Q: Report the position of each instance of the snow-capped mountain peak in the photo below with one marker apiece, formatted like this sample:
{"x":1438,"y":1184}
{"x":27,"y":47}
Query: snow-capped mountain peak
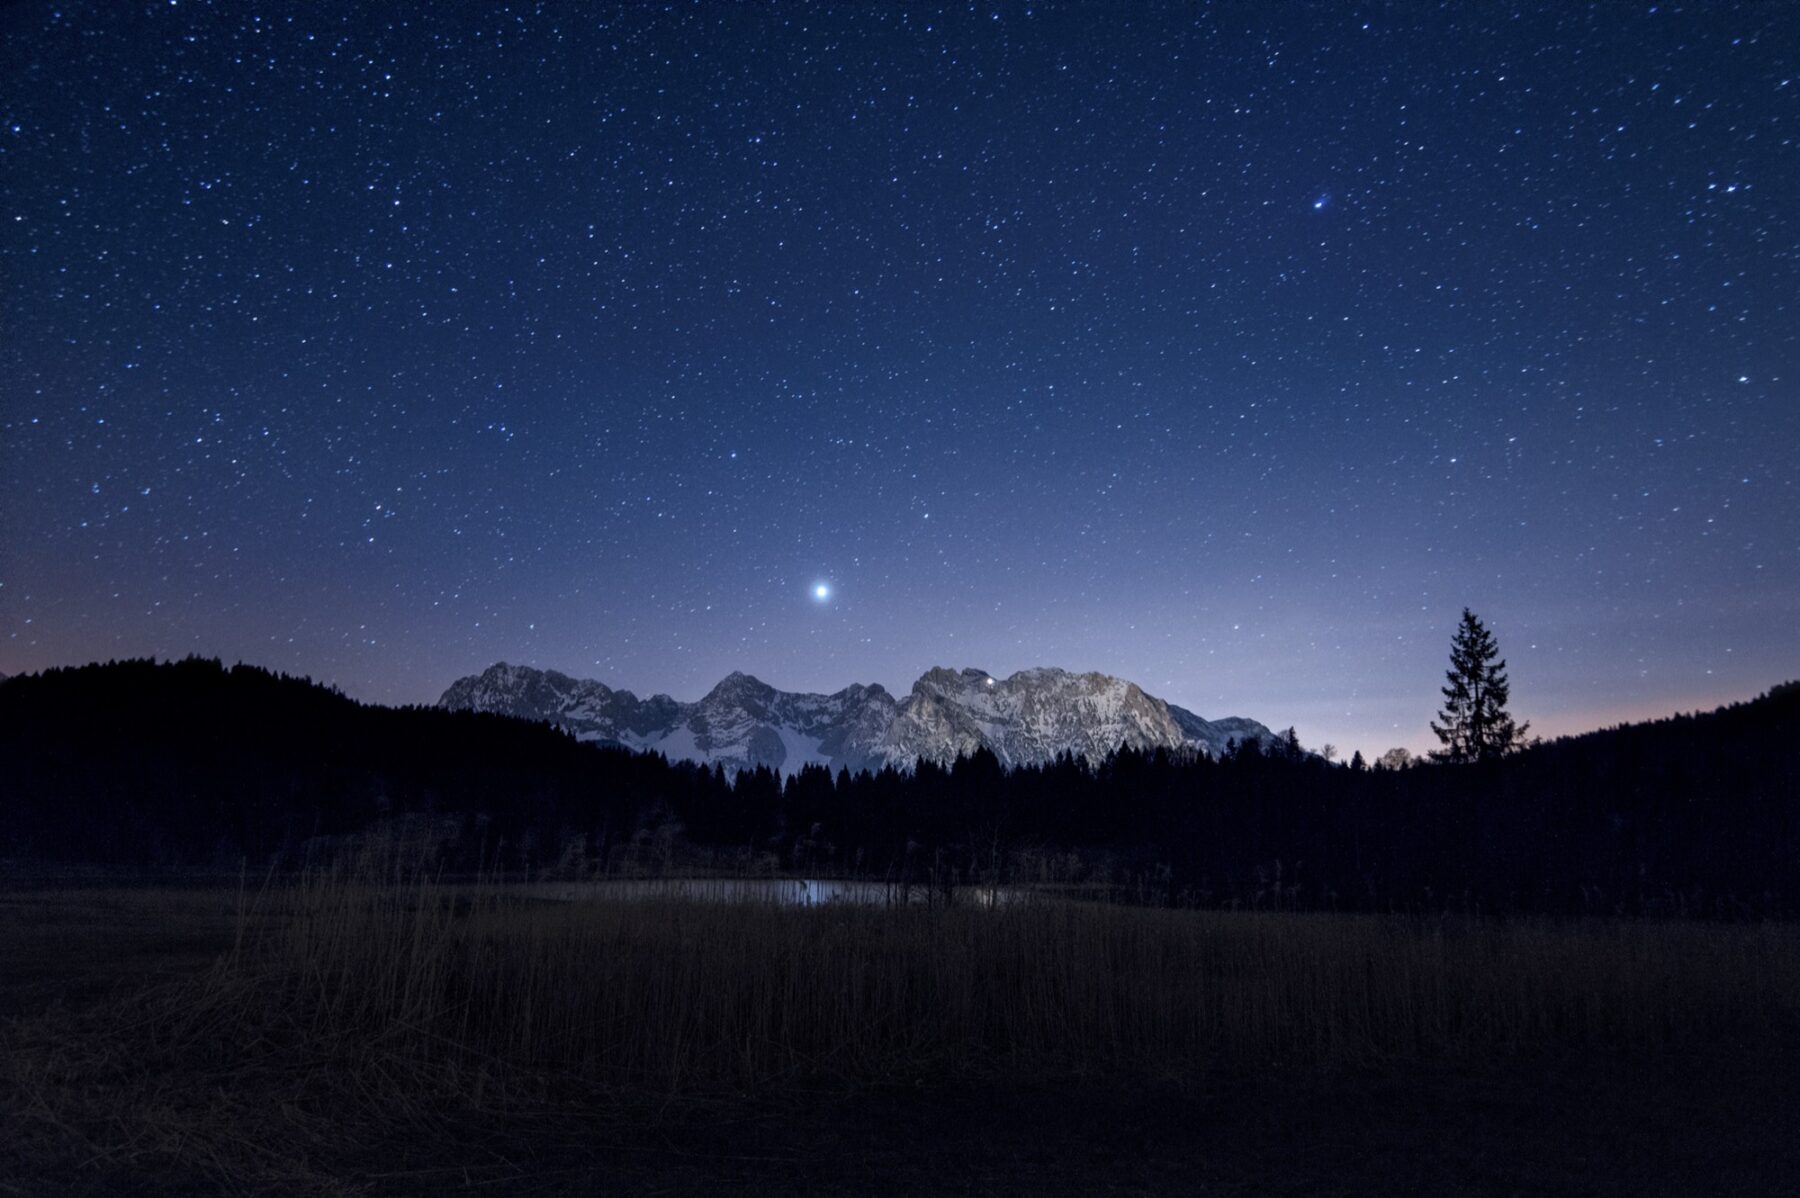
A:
{"x":1027,"y":718}
{"x":1031,"y":716}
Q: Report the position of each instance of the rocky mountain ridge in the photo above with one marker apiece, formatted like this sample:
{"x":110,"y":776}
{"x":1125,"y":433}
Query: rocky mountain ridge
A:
{"x":1028,"y":718}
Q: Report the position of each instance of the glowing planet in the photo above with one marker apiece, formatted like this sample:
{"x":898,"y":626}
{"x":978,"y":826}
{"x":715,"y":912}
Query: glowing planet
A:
{"x":821,"y":591}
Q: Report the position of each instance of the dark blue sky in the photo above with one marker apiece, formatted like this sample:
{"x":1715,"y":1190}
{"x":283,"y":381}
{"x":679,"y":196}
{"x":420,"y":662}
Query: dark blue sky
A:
{"x":1229,"y":348}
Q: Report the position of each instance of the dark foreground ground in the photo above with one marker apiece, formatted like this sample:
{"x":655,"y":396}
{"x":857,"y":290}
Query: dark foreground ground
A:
{"x":1724,"y":1122}
{"x":1685,"y":1129}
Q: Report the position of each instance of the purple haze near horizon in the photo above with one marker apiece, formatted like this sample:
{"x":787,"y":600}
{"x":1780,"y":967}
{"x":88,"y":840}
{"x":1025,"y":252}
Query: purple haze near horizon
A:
{"x":1230,"y":348}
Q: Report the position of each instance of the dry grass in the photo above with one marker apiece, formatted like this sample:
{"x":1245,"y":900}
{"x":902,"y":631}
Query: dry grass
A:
{"x":348,"y":1018}
{"x":678,"y":996}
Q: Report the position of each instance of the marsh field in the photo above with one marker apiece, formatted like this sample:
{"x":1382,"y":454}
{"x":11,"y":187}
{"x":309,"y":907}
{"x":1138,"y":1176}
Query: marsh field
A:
{"x":355,"y":1033}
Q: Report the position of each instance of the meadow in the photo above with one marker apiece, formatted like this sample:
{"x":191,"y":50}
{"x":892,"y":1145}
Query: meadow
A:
{"x":342,"y":1032}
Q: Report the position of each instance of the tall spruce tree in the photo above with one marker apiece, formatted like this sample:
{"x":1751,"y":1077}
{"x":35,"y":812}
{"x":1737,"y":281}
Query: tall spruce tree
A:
{"x":1474,"y":724}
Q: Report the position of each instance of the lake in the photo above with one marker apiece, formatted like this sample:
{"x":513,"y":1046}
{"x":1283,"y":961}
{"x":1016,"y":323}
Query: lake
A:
{"x":784,"y":892}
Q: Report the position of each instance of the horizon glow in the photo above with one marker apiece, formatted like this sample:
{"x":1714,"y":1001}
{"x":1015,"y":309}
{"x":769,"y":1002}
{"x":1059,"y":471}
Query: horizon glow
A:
{"x":1231,"y":357}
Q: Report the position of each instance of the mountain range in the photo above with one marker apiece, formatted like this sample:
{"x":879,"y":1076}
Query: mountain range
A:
{"x":1028,"y":718}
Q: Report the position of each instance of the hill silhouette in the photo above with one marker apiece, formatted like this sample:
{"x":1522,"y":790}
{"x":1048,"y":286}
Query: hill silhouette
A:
{"x":191,"y":764}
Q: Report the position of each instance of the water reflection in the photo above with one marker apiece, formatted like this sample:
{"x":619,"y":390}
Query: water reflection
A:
{"x":781,"y":892}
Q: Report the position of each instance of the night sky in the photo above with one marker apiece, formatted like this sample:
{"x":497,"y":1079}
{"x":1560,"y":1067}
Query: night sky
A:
{"x":1232,"y":349}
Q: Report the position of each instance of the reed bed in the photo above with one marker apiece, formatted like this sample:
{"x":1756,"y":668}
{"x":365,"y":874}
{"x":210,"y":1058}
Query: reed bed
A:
{"x":679,"y":995}
{"x":347,"y":1016}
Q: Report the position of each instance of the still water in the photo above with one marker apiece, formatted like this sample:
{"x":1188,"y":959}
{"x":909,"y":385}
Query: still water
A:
{"x":782,"y":892}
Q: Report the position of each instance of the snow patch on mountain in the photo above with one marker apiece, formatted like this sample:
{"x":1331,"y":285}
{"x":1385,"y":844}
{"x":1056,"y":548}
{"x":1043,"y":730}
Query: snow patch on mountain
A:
{"x":1029,"y":718}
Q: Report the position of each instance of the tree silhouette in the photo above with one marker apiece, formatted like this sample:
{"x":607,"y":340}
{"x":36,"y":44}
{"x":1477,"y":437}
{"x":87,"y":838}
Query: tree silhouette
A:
{"x":1396,"y":758}
{"x":1475,"y":723}
{"x":192,"y":765}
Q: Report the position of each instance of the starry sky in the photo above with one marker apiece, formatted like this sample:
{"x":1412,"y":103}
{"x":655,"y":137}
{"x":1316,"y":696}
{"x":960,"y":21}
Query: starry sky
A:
{"x":1231,"y":348}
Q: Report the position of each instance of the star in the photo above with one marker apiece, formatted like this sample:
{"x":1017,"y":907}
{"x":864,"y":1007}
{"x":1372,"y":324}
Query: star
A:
{"x":715,"y":373}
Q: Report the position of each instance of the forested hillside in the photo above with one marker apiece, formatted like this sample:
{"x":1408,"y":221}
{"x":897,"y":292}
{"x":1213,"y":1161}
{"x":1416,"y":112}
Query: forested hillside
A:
{"x":191,"y":764}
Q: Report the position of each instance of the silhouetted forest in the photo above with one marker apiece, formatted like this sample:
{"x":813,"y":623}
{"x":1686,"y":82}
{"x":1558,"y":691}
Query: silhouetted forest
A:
{"x":193,"y":765}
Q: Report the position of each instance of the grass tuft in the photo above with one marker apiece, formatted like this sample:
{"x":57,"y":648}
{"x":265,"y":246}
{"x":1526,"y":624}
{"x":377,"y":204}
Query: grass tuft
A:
{"x":344,"y":1017}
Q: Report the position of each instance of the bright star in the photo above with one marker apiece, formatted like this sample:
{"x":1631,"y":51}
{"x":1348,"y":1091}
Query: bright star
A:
{"x":1321,"y":201}
{"x":821,"y":591}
